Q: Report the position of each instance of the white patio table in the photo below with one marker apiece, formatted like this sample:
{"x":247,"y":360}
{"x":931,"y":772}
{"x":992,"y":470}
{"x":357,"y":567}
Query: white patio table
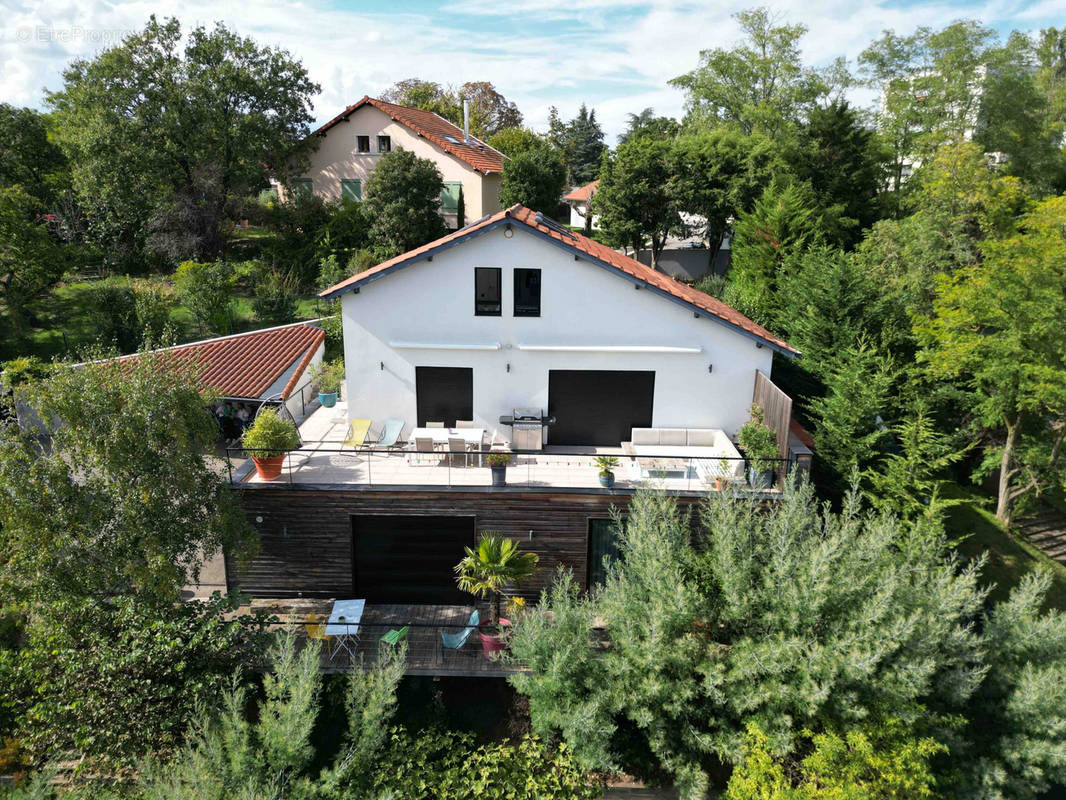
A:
{"x":343,"y":626}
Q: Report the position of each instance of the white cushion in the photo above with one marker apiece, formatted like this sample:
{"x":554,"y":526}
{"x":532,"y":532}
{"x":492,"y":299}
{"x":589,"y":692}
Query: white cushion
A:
{"x":701,"y":437}
{"x":645,"y":435}
{"x":673,"y":436}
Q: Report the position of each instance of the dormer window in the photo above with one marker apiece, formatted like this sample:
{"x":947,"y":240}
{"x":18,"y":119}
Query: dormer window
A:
{"x":384,"y":144}
{"x":362,"y":144}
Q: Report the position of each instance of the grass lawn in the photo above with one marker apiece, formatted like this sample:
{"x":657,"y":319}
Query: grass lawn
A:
{"x":1009,"y":556}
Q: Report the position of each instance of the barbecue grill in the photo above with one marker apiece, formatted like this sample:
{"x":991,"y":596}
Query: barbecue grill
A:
{"x":527,"y":428}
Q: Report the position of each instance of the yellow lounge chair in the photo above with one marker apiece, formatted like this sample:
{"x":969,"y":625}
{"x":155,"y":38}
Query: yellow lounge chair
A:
{"x":357,"y":432}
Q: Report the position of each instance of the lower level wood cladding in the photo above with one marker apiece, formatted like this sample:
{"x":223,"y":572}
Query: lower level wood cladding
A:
{"x":305,"y":534}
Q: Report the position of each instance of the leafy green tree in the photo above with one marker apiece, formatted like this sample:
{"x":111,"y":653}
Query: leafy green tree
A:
{"x":999,"y":326}
{"x":403,"y":203}
{"x":111,"y":680}
{"x":790,"y":617}
{"x":839,"y":158}
{"x":427,"y":95}
{"x":760,"y":85}
{"x":28,"y":158}
{"x":273,"y":756}
{"x":580,"y":141}
{"x":31,"y":262}
{"x":881,"y":761}
{"x":490,"y":112}
{"x":124,"y":501}
{"x":207,"y":291}
{"x":275,"y":296}
{"x":534,"y":178}
{"x":513,"y":142}
{"x":306,"y":233}
{"x":633,"y":202}
{"x":847,"y":427}
{"x":646,"y":124}
{"x":718,"y":174}
{"x":163,"y":137}
{"x":782,"y":222}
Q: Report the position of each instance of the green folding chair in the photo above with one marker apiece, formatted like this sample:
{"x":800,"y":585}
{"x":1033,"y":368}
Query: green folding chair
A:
{"x":394,"y":637}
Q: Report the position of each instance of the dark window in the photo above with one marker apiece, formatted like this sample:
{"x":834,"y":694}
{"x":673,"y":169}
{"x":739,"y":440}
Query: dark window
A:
{"x":444,"y":394}
{"x":527,"y":292}
{"x":362,"y":144}
{"x":603,"y":541}
{"x":487,"y":298}
{"x":351,"y":189}
{"x":384,"y":144}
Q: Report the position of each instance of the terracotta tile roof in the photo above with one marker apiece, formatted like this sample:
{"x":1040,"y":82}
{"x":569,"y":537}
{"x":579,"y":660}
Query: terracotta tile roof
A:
{"x":601,"y":252}
{"x":476,"y":154}
{"x":247,"y":364}
{"x":582,"y":193}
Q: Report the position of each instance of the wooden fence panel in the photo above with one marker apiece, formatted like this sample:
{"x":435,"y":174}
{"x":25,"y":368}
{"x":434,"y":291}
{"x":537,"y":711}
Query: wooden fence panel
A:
{"x":777,"y":409}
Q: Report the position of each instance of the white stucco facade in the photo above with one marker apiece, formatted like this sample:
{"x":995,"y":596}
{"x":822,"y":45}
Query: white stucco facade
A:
{"x":592,"y":318}
{"x":337,"y":158}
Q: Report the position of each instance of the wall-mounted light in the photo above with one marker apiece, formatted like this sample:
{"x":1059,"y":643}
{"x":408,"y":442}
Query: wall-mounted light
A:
{"x":508,"y":366}
{"x":382,"y":366}
{"x":508,"y":231}
{"x":710,"y":367}
{"x":531,"y":536}
{"x":759,"y":345}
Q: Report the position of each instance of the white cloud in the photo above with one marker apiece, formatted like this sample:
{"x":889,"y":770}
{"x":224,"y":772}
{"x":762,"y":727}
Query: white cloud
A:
{"x":616,"y":55}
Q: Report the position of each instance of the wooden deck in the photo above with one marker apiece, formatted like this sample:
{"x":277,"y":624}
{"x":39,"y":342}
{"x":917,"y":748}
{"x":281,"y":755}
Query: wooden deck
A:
{"x":426,"y":654}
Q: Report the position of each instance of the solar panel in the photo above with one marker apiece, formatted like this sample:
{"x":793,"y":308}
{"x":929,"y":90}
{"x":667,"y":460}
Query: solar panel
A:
{"x":555,"y":226}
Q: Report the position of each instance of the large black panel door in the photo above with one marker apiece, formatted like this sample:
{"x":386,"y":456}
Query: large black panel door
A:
{"x":444,"y":394}
{"x":409,"y":559}
{"x":598,"y":407}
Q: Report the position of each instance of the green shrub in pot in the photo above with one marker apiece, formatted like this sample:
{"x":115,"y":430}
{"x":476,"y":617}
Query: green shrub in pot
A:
{"x":270,"y":435}
{"x":759,"y":443}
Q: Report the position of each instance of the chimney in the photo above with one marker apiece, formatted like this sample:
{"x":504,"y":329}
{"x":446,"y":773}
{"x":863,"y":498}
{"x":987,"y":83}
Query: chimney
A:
{"x":466,"y":121}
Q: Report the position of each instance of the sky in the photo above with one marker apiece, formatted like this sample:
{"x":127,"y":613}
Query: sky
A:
{"x":615,"y":55}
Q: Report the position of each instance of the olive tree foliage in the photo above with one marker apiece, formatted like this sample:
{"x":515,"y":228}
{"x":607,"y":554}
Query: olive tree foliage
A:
{"x":119,"y":497}
{"x":403,"y":203}
{"x":761,"y":84}
{"x":273,"y":756}
{"x":792,"y":618}
{"x":164,"y":134}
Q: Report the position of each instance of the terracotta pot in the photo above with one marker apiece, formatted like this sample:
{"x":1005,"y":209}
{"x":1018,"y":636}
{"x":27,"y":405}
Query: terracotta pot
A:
{"x":268,"y":468}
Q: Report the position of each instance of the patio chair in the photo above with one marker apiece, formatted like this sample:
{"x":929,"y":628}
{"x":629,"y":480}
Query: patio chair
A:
{"x":391,"y":433}
{"x":464,"y":423}
{"x":434,"y":424}
{"x":455,"y":641}
{"x":456,"y":451}
{"x":424,"y":444}
{"x":358,"y":429}
{"x":394,"y":637}
{"x":316,"y":630}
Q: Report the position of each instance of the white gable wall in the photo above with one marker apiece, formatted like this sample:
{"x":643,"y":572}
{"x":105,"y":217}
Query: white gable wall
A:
{"x":582,"y":304}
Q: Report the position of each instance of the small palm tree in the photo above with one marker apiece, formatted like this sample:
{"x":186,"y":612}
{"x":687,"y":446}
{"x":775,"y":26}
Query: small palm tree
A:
{"x":496,"y":562}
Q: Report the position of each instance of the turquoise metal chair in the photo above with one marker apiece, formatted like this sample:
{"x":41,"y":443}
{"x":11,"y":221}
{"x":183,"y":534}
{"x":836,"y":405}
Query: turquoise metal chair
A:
{"x":455,"y":641}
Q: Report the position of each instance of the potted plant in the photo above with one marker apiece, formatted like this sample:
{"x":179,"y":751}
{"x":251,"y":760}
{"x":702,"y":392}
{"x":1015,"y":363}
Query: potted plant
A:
{"x":760,"y":449}
{"x":721,"y":477}
{"x":607,"y":464}
{"x":328,"y":376}
{"x":498,"y":464}
{"x":485,"y":572}
{"x":267,"y":440}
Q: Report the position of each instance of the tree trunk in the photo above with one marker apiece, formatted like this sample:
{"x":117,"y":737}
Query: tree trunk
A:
{"x":1003,"y":502}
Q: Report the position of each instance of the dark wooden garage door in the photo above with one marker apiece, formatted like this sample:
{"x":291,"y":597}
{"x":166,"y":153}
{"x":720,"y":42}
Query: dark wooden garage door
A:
{"x":598,"y":407}
{"x":444,"y":394}
{"x":401,"y":559}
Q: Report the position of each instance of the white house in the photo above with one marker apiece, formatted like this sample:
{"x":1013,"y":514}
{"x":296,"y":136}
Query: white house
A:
{"x":579,"y":200}
{"x":518,"y":312}
{"x":350,"y":145}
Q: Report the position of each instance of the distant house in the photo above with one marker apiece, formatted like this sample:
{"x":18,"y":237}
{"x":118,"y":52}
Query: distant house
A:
{"x":352,"y":142}
{"x":579,"y":200}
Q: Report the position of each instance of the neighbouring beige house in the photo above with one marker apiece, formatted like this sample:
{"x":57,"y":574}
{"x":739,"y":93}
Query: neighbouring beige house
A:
{"x":353,"y":141}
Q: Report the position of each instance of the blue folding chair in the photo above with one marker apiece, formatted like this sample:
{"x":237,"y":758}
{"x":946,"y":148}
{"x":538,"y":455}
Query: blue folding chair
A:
{"x":390,"y":434}
{"x":455,"y":641}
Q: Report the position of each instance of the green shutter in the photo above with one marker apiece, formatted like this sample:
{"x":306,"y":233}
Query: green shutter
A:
{"x":351,"y":189}
{"x":303,"y":186}
{"x":450,"y":197}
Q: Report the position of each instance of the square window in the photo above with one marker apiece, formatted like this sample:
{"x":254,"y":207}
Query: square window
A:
{"x":384,"y":144}
{"x":527,"y":292}
{"x":362,"y":144}
{"x":351,"y":189}
{"x":487,"y":298}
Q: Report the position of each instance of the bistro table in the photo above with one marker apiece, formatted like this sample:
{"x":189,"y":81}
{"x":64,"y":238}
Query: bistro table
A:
{"x":474,"y":437}
{"x":343,"y":626}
